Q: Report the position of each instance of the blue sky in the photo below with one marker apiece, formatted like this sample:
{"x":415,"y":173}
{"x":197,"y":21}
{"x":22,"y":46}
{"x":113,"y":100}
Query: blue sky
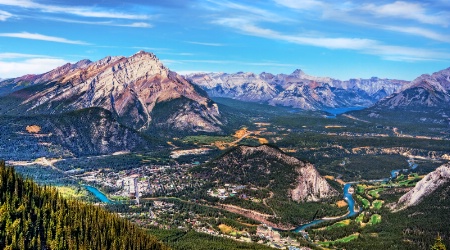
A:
{"x":340,"y":39}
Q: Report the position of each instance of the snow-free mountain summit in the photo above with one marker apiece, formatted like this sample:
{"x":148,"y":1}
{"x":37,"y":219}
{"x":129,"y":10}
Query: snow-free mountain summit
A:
{"x":138,"y":90}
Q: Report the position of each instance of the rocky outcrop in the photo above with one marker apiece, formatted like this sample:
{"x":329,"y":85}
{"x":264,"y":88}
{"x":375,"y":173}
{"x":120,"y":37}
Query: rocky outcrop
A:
{"x":297,"y":90}
{"x":425,"y":187}
{"x":130,"y":88}
{"x":311,"y":186}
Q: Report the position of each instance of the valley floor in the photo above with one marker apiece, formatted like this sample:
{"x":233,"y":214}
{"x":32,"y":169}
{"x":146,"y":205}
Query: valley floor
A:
{"x":156,"y":189}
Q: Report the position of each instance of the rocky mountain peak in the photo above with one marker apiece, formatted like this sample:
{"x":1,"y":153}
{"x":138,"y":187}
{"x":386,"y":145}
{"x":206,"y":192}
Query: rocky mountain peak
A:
{"x":129,"y":87}
{"x":298,"y":73}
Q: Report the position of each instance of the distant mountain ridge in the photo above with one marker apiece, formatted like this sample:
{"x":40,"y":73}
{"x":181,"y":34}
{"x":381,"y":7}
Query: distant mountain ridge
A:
{"x":425,"y":91}
{"x":130,"y":88}
{"x":297,"y":90}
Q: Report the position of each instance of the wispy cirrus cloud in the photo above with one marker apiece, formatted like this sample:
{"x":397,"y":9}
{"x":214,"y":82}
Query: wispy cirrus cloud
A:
{"x":354,"y":19}
{"x":417,"y":31}
{"x":251,"y":12}
{"x":350,"y":13}
{"x":105,"y":23}
{"x":271,"y":64}
{"x":83,"y":11}
{"x":248,"y":28}
{"x":35,"y":36}
{"x":5,"y":15}
{"x":362,"y":45}
{"x":408,"y":10}
{"x":12,"y":55}
{"x":300,"y":5}
{"x":135,"y":25}
{"x":375,"y":16}
{"x":207,"y":44}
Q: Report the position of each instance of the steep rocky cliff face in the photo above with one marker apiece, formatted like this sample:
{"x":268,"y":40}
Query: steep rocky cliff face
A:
{"x":268,"y":167}
{"x":297,"y":90}
{"x":129,"y":88}
{"x":310,"y":185}
{"x":425,"y":187}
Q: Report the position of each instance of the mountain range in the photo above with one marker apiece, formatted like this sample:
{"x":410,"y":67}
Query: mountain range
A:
{"x":120,"y":103}
{"x":134,"y":88}
{"x":297,"y":90}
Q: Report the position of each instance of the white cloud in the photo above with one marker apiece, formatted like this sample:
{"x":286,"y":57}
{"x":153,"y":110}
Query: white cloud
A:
{"x":28,"y":66}
{"x":272,"y":64}
{"x":251,"y":12}
{"x":401,"y":53}
{"x":135,"y":25}
{"x":106,"y":23}
{"x":300,"y":5}
{"x":380,"y":15}
{"x":35,"y":36}
{"x":79,"y":11}
{"x":5,"y":15}
{"x":420,"y":32}
{"x":365,"y":46}
{"x":406,"y":10}
{"x":207,"y":44}
{"x":331,"y":43}
{"x":9,"y":55}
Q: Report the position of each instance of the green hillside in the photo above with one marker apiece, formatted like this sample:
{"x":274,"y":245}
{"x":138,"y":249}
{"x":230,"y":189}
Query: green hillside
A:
{"x":33,"y":217}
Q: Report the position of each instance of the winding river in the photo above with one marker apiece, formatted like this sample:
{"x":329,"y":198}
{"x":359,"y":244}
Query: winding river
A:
{"x":351,"y":202}
{"x":351,"y":210}
{"x":99,"y":195}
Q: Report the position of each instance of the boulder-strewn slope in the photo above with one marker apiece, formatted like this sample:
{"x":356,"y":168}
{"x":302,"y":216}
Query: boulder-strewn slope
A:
{"x":129,"y":88}
{"x":297,"y":90}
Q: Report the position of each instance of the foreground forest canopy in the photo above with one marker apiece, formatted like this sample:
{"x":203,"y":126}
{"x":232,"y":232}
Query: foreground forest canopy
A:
{"x":33,"y":217}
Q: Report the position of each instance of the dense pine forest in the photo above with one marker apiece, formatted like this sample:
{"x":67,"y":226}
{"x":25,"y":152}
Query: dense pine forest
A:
{"x":34,"y":217}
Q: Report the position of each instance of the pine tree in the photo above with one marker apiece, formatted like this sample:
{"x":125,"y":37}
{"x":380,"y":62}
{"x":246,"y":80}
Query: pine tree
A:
{"x":33,"y":217}
{"x":438,"y":244}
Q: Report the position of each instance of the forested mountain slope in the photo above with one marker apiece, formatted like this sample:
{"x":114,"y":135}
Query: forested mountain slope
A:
{"x":33,"y":217}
